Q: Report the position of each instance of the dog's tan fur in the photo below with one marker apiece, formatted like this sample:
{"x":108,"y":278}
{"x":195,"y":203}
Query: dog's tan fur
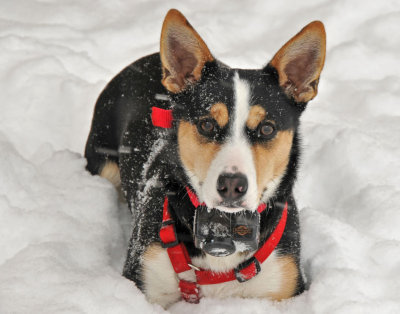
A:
{"x":196,"y":153}
{"x":272,"y":158}
{"x":219,"y":112}
{"x":110,"y":171}
{"x":256,"y":115}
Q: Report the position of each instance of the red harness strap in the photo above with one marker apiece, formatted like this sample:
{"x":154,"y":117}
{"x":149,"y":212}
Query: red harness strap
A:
{"x":178,"y":255}
{"x":181,"y":261}
{"x":161,"y":117}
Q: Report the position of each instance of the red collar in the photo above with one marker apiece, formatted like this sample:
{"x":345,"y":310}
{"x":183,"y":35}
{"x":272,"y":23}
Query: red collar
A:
{"x":181,"y":261}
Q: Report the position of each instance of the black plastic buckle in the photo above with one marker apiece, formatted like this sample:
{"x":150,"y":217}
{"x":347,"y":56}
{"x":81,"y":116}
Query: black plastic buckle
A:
{"x":239,"y":276}
{"x":170,"y":244}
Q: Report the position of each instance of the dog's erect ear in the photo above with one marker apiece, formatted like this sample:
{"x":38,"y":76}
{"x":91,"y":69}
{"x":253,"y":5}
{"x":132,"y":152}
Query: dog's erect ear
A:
{"x":300,"y":61}
{"x":183,"y":53}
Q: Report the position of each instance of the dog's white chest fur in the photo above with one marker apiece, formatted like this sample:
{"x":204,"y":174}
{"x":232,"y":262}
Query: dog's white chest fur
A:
{"x":161,"y":282}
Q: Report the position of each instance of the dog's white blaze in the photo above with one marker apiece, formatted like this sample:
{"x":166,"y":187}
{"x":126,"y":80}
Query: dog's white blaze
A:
{"x":235,"y":156}
{"x":242,"y":106}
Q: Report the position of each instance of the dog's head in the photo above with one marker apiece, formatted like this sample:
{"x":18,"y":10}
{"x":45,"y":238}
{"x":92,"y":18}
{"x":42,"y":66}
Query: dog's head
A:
{"x":236,"y":127}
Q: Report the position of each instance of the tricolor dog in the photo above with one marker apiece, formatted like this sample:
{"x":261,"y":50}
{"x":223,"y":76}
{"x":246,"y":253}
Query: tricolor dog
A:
{"x":206,"y":157}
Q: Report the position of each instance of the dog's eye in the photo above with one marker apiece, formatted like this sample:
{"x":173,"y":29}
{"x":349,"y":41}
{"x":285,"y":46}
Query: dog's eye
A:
{"x":266,"y":130}
{"x":206,"y":127}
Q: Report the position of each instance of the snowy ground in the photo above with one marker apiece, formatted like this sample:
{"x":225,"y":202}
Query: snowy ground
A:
{"x":62,"y":238}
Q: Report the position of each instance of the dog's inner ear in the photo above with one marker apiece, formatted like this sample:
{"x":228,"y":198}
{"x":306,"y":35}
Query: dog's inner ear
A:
{"x":183,"y":53}
{"x":300,"y":61}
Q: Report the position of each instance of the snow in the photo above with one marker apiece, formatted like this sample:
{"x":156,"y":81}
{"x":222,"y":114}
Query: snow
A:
{"x":63,"y":233}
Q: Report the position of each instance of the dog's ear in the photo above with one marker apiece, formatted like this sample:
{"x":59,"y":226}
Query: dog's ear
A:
{"x":300,"y":61}
{"x":183,"y":53}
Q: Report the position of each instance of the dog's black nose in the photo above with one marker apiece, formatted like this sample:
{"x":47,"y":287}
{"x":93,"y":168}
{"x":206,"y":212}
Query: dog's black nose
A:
{"x":232,"y":186}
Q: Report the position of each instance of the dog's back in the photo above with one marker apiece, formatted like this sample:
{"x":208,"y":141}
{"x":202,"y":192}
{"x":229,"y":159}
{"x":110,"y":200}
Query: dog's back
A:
{"x":128,"y":98}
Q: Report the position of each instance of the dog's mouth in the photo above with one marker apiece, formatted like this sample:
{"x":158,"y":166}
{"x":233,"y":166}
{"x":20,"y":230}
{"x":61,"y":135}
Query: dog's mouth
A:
{"x":219,"y":233}
{"x":231,"y":207}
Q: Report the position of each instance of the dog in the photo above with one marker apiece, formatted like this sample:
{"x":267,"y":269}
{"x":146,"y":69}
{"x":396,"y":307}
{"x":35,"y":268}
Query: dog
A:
{"x":206,"y":157}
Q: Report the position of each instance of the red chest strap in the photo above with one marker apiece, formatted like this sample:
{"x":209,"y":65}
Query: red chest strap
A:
{"x":181,"y":261}
{"x":178,"y":255}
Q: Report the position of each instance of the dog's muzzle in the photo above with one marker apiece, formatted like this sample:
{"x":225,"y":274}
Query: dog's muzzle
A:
{"x":221,"y":234}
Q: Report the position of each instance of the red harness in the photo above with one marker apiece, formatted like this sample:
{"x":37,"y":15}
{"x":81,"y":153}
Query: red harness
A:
{"x":179,"y":255}
{"x":181,"y":261}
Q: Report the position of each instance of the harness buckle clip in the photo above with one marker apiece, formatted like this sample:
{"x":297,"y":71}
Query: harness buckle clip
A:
{"x":189,"y":291}
{"x":194,"y":267}
{"x":247,"y":270}
{"x":168,"y":235}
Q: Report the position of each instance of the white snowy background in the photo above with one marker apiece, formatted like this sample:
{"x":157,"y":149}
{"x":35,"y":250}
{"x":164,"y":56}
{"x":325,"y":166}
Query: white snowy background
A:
{"x":63,"y":233}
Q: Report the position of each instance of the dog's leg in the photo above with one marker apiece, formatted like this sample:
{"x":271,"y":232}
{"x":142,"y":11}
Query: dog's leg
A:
{"x":146,"y":226}
{"x":290,"y":278}
{"x":110,"y":171}
{"x":160,"y":283}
